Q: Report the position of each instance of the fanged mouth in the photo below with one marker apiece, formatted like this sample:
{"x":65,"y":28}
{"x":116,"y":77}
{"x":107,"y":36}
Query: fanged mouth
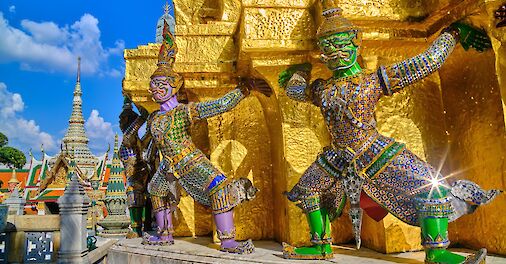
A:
{"x":344,"y":55}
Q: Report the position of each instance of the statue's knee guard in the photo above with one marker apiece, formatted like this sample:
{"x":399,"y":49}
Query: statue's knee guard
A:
{"x":225,"y":196}
{"x":162,"y":203}
{"x":309,"y":204}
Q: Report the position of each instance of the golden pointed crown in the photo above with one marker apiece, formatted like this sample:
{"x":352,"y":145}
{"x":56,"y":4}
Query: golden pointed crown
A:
{"x":333,"y":21}
{"x":167,"y":53}
{"x":166,"y":59}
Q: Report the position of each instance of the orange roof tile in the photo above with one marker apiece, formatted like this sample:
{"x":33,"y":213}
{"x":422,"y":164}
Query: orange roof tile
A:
{"x":6,"y":175}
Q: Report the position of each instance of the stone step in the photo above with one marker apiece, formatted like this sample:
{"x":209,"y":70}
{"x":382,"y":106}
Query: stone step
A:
{"x":202,"y":250}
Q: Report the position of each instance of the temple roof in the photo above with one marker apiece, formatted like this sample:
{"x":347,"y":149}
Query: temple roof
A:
{"x":30,"y":179}
{"x":44,"y":171}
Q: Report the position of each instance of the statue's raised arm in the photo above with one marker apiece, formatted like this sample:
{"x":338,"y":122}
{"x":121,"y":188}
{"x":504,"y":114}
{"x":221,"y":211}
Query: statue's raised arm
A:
{"x":206,"y":109}
{"x":399,"y":75}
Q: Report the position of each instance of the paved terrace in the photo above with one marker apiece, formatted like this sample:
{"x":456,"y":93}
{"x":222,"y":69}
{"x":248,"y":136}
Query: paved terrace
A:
{"x":201,"y":250}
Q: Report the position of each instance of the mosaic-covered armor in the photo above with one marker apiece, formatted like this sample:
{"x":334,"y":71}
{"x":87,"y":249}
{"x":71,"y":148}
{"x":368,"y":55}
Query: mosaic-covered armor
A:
{"x":361,"y":164}
{"x":136,"y":167}
{"x":183,"y":163}
{"x":180,"y":157}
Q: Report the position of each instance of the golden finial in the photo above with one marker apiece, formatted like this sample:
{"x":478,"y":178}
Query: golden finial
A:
{"x":166,"y":8}
{"x":78,"y":69}
{"x":13,"y":178}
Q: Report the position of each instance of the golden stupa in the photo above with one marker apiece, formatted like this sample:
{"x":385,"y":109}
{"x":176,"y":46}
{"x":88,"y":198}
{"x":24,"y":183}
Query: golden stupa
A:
{"x":454,"y":118}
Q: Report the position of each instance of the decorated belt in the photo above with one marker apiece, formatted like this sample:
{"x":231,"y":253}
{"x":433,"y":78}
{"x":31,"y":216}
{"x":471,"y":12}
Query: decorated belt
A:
{"x":375,"y":153}
{"x":181,"y":155}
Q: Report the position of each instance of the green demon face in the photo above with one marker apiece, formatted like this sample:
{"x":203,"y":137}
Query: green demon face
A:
{"x":339,"y":50}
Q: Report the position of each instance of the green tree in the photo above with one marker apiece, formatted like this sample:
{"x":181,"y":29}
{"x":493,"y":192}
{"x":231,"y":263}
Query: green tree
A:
{"x":9,"y":156}
{"x":3,"y":140}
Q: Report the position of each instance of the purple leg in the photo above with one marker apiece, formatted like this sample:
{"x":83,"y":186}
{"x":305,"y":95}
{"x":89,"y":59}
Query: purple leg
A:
{"x":225,"y":225}
{"x":226,"y":233}
{"x":163,"y":219}
{"x":168,"y":225}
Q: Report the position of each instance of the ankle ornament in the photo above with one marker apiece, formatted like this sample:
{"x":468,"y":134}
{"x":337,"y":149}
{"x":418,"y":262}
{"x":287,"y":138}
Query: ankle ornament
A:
{"x":317,"y":240}
{"x":226,"y":234}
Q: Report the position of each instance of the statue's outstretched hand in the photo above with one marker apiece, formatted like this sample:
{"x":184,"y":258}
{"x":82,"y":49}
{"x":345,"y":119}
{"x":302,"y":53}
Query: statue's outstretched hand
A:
{"x":472,"y":37}
{"x":287,"y":74}
{"x":500,"y":14}
{"x":254,"y":84}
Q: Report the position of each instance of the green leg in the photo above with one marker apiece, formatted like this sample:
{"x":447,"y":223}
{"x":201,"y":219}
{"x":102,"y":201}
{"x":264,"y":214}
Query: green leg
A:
{"x":319,"y":225}
{"x":435,"y":239}
{"x":433,"y":214}
{"x":136,"y":220}
{"x":146,"y":216}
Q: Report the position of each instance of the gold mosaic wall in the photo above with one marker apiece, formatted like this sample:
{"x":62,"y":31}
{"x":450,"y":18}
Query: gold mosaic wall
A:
{"x":457,"y":110}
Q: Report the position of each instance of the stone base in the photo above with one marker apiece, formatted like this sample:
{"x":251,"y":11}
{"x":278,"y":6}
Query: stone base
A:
{"x":115,"y":222}
{"x":201,"y":250}
{"x":113,"y":232}
{"x":73,"y":258}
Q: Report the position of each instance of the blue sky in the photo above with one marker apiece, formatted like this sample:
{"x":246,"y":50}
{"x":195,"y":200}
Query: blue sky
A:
{"x":39,"y":45}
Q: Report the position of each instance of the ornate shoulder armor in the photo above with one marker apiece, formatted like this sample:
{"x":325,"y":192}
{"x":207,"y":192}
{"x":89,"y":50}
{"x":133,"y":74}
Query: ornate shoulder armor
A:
{"x":297,"y":87}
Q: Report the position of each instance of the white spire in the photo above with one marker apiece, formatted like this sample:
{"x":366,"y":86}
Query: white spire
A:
{"x":78,"y":69}
{"x":76,"y":138}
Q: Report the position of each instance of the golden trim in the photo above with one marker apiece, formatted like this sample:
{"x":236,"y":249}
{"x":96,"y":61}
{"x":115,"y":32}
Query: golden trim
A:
{"x":182,"y":154}
{"x":289,"y":253}
{"x":376,"y":157}
{"x":385,"y":165}
{"x":363,"y":149}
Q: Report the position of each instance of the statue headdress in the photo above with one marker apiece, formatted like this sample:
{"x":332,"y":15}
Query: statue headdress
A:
{"x":166,"y":59}
{"x":333,"y":20}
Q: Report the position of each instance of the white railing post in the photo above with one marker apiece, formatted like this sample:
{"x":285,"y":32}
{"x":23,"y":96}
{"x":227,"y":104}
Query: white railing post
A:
{"x":74,"y":206}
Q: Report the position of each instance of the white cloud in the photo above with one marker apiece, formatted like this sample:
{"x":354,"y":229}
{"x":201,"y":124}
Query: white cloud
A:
{"x":11,"y":103}
{"x":46,"y":46}
{"x":46,"y":32}
{"x":117,"y":49}
{"x":114,"y":73}
{"x":99,"y":132}
{"x":12,"y":9}
{"x":23,"y":134}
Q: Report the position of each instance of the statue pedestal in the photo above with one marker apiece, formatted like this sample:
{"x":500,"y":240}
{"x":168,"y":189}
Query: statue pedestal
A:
{"x":114,"y":225}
